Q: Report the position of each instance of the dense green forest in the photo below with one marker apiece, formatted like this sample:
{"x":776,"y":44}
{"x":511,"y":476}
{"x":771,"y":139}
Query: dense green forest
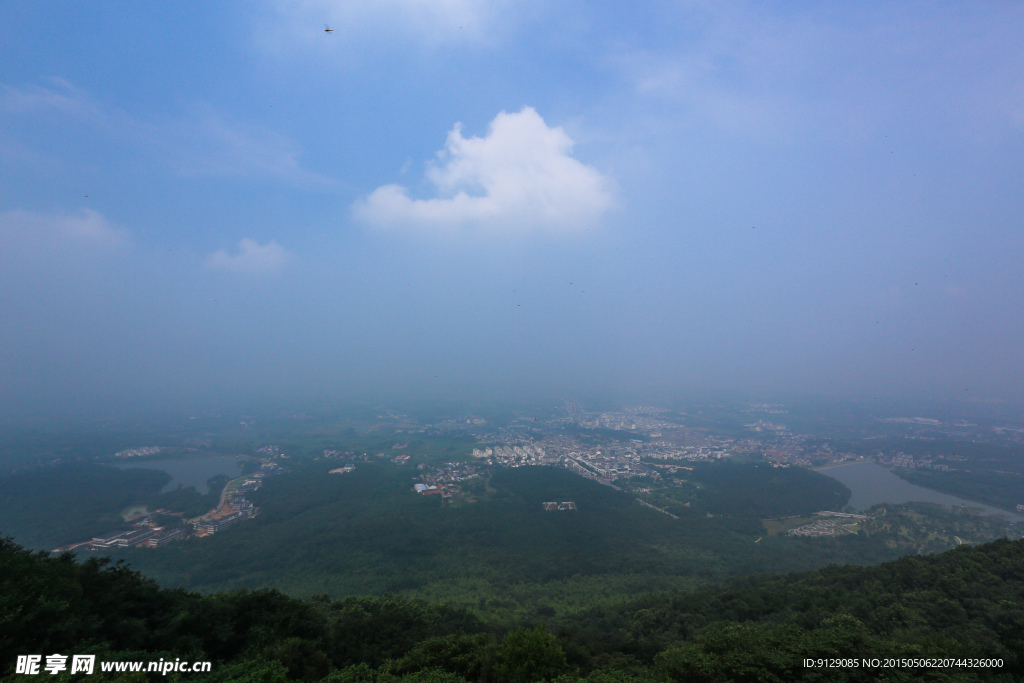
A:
{"x":751,"y":489}
{"x":368,"y":533}
{"x":966,"y":603}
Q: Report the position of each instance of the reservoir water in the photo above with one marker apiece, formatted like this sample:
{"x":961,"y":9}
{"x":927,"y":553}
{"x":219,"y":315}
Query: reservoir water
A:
{"x":191,"y":471}
{"x":871,"y":484}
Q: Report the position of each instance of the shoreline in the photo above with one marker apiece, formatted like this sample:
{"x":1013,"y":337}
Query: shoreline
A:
{"x":987,"y":508}
{"x":843,"y":464}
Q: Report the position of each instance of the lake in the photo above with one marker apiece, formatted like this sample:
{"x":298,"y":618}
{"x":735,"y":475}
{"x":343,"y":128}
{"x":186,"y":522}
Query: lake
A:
{"x":871,"y":484}
{"x":191,"y":471}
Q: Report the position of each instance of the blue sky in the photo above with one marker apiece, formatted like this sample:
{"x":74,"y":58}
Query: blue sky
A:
{"x":469,"y":198}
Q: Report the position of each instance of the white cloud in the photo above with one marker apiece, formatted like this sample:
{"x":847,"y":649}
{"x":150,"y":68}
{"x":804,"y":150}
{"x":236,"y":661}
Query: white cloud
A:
{"x":59,"y":231}
{"x":252,"y":257}
{"x":520,"y":177}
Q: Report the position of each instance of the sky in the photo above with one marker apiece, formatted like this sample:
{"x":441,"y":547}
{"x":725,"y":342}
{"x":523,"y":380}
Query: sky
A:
{"x":459,"y":198}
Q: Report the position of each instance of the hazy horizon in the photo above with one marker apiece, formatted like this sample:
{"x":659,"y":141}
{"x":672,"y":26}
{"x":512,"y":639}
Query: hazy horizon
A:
{"x":472,"y":200}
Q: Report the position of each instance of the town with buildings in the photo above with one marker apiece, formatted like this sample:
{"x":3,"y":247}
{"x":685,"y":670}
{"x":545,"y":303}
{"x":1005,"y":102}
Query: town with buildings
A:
{"x":660,"y":439}
{"x":649,"y":441}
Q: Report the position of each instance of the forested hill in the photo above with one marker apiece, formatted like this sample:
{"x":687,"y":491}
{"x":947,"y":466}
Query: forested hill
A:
{"x":966,"y":603}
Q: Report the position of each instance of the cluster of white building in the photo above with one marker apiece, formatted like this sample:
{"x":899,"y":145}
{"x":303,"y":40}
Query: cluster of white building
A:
{"x":141,"y":536}
{"x":631,"y":421}
{"x":513,"y":455}
{"x":137,"y":452}
{"x":244,"y":509}
{"x":908,"y":462}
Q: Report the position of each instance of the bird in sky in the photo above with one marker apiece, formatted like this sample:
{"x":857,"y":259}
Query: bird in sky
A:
{"x":328,"y":29}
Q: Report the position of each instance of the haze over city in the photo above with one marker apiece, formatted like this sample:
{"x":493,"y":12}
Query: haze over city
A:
{"x":469,"y":199}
